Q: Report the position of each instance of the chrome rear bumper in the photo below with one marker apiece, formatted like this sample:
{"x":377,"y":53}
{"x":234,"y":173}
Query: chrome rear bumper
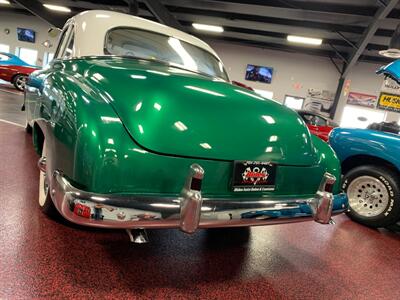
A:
{"x":190,"y":211}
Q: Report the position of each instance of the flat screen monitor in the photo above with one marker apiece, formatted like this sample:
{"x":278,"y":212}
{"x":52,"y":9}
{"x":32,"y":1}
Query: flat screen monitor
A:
{"x":26,"y":35}
{"x":259,"y":73}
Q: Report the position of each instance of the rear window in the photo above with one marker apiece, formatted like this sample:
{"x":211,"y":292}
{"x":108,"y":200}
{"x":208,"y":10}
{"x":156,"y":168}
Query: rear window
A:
{"x":149,"y":45}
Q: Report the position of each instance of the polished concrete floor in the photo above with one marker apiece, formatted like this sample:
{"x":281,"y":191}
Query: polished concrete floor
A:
{"x":11,"y":101}
{"x":45,"y":258}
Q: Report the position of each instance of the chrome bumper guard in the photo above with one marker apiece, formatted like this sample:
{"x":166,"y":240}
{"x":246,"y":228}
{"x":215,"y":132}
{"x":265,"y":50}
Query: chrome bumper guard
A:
{"x":190,"y":211}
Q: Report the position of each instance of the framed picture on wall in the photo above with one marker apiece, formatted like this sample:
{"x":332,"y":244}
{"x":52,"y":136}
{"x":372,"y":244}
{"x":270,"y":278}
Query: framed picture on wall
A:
{"x":362,"y":99}
{"x":259,"y":73}
{"x":293,"y":102}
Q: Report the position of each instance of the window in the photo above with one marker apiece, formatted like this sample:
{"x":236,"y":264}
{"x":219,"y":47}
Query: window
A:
{"x":27,"y":55}
{"x":69,"y":49}
{"x":64,"y":40}
{"x":355,"y":117}
{"x":4,"y":48}
{"x":293,"y":102}
{"x":60,"y":42}
{"x":154,"y":46}
{"x":48,"y":57}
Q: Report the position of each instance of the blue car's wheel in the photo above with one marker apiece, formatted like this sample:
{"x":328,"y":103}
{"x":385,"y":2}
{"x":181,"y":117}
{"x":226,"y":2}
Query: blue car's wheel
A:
{"x":374,"y":195}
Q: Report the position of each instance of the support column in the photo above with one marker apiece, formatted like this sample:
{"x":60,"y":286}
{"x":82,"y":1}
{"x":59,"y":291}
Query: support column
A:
{"x":337,"y":96}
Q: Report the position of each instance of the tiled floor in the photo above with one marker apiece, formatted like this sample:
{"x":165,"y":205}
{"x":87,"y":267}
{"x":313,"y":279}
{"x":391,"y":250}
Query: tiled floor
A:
{"x":40,"y":257}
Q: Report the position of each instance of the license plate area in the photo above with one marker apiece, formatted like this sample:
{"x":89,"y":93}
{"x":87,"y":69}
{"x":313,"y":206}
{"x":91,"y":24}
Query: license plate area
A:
{"x":253,"y":176}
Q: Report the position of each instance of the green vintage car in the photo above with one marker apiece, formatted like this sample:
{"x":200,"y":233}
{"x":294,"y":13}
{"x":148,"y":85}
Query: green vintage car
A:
{"x":138,"y":126}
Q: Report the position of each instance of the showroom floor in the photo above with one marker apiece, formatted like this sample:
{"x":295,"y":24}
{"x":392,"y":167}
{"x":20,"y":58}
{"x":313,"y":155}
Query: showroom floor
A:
{"x":41,"y":257}
{"x":11,"y":101}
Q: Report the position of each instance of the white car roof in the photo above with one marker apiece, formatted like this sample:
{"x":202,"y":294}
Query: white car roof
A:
{"x":91,"y":26}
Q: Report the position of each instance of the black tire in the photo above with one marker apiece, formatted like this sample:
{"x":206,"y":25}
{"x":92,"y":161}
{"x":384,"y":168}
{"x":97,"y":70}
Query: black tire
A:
{"x":49,"y":209}
{"x":382,"y":205}
{"x":28,"y":128}
{"x":19,"y":82}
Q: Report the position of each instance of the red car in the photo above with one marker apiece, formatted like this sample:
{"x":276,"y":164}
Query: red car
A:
{"x":318,"y":125}
{"x":14,"y":70}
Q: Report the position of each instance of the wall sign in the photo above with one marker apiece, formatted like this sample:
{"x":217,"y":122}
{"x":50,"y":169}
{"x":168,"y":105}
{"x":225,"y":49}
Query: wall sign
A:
{"x":389,"y":102}
{"x":362,"y":99}
{"x":346,"y":87}
{"x":319,"y":101}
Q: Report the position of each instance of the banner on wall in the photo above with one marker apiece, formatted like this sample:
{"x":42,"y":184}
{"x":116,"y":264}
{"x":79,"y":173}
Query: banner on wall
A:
{"x":389,"y":102}
{"x":390,"y":86}
{"x":346,"y":87}
{"x":319,"y":101}
{"x":362,"y":99}
{"x":389,"y":99}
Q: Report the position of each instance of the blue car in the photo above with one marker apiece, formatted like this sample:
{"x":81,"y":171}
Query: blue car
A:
{"x":371,"y":169}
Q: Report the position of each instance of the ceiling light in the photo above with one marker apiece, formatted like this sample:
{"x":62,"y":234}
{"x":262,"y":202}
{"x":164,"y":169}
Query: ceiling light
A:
{"x":57,"y":7}
{"x":205,"y":27}
{"x":4,"y":2}
{"x":304,"y":40}
{"x":391,"y":53}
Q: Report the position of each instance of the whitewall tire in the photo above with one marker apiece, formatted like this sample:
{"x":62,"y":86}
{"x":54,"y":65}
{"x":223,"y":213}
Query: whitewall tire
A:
{"x":45,"y":202}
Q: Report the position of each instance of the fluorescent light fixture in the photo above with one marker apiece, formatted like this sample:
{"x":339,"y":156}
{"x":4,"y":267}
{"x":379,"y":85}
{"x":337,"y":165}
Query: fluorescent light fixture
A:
{"x":57,"y":7}
{"x":157,"y":106}
{"x":206,"y":27}
{"x":304,"y":40}
{"x":138,"y":76}
{"x":205,"y":145}
{"x":157,"y":72}
{"x":4,"y":2}
{"x":139,"y":150}
{"x":187,"y":59}
{"x":269,"y":119}
{"x":273,"y":138}
{"x":180,"y":126}
{"x":138,"y":106}
{"x":140,"y":128}
{"x":109,"y":119}
{"x":102,"y":16}
{"x":195,"y":88}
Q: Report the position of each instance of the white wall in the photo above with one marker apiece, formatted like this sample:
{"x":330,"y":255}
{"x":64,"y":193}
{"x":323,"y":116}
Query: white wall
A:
{"x":12,"y":21}
{"x":293,"y":69}
{"x":290,"y":69}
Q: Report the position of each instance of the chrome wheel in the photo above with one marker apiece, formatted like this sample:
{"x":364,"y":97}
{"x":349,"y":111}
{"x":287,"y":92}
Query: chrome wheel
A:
{"x":20,"y":82}
{"x":368,"y":196}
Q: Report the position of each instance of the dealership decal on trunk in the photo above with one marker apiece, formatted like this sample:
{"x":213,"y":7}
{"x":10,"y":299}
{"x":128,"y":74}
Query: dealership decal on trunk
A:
{"x":253,"y":176}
